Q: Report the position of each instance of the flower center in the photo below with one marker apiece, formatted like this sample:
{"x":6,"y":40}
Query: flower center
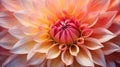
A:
{"x":65,"y":31}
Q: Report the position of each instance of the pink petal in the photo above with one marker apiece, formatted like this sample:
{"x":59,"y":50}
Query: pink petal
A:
{"x":105,"y":19}
{"x":98,"y":5}
{"x":102,"y":34}
{"x":110,"y":48}
{"x":75,"y":64}
{"x":111,"y":64}
{"x":11,"y":5}
{"x":116,"y":40}
{"x":15,"y":61}
{"x":92,"y":44}
{"x":53,"y":51}
{"x":115,"y":28}
{"x":98,"y":57}
{"x":91,"y":19}
{"x":66,"y":57}
{"x":84,"y":57}
{"x":57,"y":62}
{"x":74,"y":50}
{"x":23,"y":46}
{"x":7,"y":41}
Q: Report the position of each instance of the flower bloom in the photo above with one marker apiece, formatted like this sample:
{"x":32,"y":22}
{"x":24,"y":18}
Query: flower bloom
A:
{"x":61,"y":33}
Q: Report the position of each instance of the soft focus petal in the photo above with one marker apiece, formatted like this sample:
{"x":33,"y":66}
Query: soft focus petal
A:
{"x":98,"y":5}
{"x":84,"y":57}
{"x":115,"y":28}
{"x":109,"y":48}
{"x":15,"y":61}
{"x":11,"y":5}
{"x":92,"y":44}
{"x":102,"y":34}
{"x":67,"y":58}
{"x":7,"y":41}
{"x":111,"y":64}
{"x":98,"y":57}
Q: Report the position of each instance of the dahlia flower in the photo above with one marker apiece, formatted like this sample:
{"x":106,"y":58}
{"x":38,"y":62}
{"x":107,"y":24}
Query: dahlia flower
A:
{"x":60,"y":33}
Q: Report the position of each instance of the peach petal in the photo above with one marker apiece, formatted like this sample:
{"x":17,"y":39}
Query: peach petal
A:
{"x":84,"y":57}
{"x":67,"y":58}
{"x":75,"y":64}
{"x":92,"y":44}
{"x":74,"y":50}
{"x":15,"y":61}
{"x":30,"y":31}
{"x":105,"y":19}
{"x":53,"y":51}
{"x":110,"y":48}
{"x":91,"y":19}
{"x":23,"y":46}
{"x":44,"y":46}
{"x":98,"y":5}
{"x":7,"y":41}
{"x":115,"y":28}
{"x":57,"y":62}
{"x":3,"y":32}
{"x":11,"y":5}
{"x":37,"y":58}
{"x":102,"y":34}
{"x":98,"y":57}
{"x":17,"y":32}
{"x":116,"y":40}
{"x":23,"y":18}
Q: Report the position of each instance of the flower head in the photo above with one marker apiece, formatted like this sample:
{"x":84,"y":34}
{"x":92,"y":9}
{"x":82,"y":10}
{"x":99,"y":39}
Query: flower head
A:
{"x":62,"y":32}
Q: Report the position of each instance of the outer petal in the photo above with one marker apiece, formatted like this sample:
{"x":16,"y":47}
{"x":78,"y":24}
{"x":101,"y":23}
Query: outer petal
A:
{"x":111,"y":64}
{"x":105,"y":19}
{"x":67,"y":58}
{"x":92,"y":44}
{"x":37,"y":58}
{"x":84,"y":57}
{"x":17,"y":32}
{"x":115,"y":28}
{"x":11,"y":5}
{"x":15,"y":61}
{"x":98,"y":5}
{"x":7,"y":41}
{"x":109,"y":48}
{"x":98,"y":57}
{"x":23,"y":46}
{"x":53,"y":51}
{"x":102,"y":34}
{"x":57,"y":62}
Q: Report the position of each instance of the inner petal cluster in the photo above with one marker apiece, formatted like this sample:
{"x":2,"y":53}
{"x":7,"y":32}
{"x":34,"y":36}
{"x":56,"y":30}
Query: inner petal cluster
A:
{"x":65,"y":31}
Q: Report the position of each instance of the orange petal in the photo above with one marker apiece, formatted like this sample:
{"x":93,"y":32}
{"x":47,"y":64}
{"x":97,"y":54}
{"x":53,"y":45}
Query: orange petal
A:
{"x":53,"y":51}
{"x":91,"y":19}
{"x":84,"y":57}
{"x":92,"y":44}
{"x":67,"y":58}
{"x":102,"y":34}
{"x":98,"y":57}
